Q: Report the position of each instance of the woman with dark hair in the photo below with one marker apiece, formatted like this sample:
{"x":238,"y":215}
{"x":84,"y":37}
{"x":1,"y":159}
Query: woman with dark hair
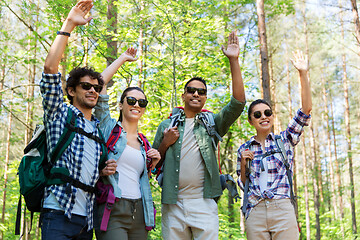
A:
{"x":267,"y":196}
{"x":126,"y":168}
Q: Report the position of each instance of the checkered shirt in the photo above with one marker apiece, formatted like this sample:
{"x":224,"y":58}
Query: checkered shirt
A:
{"x":55,"y":114}
{"x":277,"y":182}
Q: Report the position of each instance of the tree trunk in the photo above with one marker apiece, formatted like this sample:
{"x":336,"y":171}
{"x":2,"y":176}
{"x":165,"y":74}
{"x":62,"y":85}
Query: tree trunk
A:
{"x":263,"y":51}
{"x":338,"y":173}
{"x":112,"y":30}
{"x":332,"y":181}
{"x":306,"y":189}
{"x":356,"y":19}
{"x":7,"y":157}
{"x":347,"y":116}
{"x":316,"y":181}
{"x":141,"y":45}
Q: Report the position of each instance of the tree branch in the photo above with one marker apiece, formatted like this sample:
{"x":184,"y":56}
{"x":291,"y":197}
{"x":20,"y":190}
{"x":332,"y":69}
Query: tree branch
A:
{"x":30,"y":27}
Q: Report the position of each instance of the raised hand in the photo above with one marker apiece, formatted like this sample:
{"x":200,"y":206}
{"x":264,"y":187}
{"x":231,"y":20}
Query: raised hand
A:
{"x":130,"y":55}
{"x":300,"y":61}
{"x":233,"y":49}
{"x":77,"y":14}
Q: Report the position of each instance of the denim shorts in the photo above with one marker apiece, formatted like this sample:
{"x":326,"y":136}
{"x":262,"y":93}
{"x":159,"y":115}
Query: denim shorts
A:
{"x":55,"y":225}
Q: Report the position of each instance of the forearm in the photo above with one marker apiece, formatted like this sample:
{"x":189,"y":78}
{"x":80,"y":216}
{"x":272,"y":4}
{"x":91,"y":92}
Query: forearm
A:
{"x":109,"y":72}
{"x":237,"y":81}
{"x":57,"y":49}
{"x":243,"y":172}
{"x":162,"y":150}
{"x":306,"y":101}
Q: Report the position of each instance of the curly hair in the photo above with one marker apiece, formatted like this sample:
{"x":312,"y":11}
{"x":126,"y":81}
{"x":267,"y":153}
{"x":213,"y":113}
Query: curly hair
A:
{"x":79,"y":72}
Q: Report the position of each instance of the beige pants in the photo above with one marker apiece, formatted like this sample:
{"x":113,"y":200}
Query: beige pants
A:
{"x":190,"y":219}
{"x":272,"y":219}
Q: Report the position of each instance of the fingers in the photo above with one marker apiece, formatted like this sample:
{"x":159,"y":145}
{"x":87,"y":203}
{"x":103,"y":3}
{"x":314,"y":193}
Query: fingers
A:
{"x":85,"y":5}
{"x":153,"y":153}
{"x":110,"y":167}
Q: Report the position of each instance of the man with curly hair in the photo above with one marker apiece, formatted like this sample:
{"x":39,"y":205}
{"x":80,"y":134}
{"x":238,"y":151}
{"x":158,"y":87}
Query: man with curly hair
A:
{"x":68,"y":207}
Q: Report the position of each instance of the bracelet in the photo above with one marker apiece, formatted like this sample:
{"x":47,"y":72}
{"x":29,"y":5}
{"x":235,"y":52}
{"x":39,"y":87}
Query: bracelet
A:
{"x":63,"y":33}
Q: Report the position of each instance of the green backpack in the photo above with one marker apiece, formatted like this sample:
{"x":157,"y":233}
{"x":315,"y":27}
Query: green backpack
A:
{"x":36,"y":171}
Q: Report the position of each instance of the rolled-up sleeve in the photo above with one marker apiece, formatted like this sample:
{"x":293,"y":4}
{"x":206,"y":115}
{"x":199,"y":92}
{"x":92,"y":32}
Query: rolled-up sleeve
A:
{"x":296,"y":126}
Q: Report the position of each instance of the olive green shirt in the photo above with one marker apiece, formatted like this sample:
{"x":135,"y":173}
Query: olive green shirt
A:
{"x":212,"y":188}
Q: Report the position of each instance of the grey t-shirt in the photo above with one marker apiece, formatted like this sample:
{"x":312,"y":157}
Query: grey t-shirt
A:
{"x":191,"y":177}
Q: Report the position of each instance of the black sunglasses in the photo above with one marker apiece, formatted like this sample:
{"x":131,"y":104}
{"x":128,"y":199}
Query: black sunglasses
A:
{"x":267,"y":113}
{"x":192,"y":90}
{"x":132,"y":101}
{"x":88,"y":86}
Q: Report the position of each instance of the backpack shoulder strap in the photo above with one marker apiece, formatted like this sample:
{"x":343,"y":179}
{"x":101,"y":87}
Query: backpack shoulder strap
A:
{"x":175,"y":117}
{"x":66,"y":137}
{"x":207,"y":119}
{"x":113,"y":138}
{"x":247,"y":183}
{"x":147,"y":146}
{"x":281,"y":146}
{"x":104,"y":153}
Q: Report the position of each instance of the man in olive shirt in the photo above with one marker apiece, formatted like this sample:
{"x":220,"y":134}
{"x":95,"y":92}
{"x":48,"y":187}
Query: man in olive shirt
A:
{"x":191,"y":174}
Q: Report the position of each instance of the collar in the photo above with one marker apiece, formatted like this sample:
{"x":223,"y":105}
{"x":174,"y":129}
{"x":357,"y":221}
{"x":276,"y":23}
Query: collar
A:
{"x":252,"y":140}
{"x":79,"y":114}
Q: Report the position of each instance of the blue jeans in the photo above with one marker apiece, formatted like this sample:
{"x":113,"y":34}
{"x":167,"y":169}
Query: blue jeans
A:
{"x":55,"y":225}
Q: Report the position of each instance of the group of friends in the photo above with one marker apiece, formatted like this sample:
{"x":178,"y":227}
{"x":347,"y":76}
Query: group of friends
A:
{"x":185,"y":153}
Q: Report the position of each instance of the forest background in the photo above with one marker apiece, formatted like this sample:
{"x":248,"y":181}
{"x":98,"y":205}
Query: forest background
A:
{"x":179,"y":39}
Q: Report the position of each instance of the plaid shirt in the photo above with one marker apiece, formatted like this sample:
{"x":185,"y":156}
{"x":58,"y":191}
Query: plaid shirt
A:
{"x":55,"y":114}
{"x":277,"y":182}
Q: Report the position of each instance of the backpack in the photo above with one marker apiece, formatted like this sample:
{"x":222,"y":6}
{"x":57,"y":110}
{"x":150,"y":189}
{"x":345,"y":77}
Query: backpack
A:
{"x":105,"y":192}
{"x":282,"y":151}
{"x":206,"y":119}
{"x":36,"y":171}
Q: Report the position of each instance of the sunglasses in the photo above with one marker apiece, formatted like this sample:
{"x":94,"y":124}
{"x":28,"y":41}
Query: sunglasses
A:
{"x":88,"y":86}
{"x":132,"y":101}
{"x":192,"y":90}
{"x":267,"y":113}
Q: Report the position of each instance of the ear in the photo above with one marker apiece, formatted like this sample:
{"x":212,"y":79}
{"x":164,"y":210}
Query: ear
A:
{"x":71,"y":91}
{"x":120,"y":106}
{"x":250,"y":121}
{"x":183,"y":97}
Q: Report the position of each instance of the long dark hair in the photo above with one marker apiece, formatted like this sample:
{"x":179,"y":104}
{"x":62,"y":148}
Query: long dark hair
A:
{"x":254,"y":103}
{"x":124,"y":94}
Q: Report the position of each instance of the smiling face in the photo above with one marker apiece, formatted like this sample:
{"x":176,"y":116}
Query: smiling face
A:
{"x":193,"y":101}
{"x":84,"y":100}
{"x":264,"y":123}
{"x":132,"y":112}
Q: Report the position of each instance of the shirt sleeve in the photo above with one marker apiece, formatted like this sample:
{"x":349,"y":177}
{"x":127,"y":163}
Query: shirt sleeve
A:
{"x":296,"y":126}
{"x":228,"y":115}
{"x":102,"y":110}
{"x":52,"y":94}
{"x":238,"y":166}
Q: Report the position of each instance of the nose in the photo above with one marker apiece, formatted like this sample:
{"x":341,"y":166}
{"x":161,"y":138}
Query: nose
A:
{"x":137,"y":103}
{"x":196,"y":93}
{"x":92,"y":89}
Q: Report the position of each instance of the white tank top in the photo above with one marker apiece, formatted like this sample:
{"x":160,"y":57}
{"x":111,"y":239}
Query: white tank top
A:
{"x":130,"y":166}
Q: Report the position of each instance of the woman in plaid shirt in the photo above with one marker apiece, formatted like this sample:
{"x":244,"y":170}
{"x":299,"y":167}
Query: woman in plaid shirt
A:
{"x":268,"y":211}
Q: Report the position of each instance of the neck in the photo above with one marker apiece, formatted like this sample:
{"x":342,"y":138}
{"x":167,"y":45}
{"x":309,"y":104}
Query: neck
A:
{"x":86,"y":111}
{"x":261,"y":136}
{"x":189,"y":113}
{"x":130,"y":127}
